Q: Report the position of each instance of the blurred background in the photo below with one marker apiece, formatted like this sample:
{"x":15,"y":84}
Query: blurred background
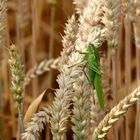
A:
{"x":36,"y":27}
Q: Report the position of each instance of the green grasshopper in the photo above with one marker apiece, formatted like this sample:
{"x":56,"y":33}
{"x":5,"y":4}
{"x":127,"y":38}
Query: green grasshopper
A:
{"x":94,"y":72}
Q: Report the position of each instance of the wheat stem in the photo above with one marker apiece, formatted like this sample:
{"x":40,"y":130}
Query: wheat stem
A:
{"x":52,"y":33}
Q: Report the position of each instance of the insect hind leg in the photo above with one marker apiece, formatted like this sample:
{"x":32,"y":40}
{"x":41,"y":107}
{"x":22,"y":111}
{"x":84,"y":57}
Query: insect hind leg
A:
{"x":85,"y":72}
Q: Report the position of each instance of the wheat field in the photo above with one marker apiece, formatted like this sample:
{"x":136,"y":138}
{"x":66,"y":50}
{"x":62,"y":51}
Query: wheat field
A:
{"x":69,"y":70}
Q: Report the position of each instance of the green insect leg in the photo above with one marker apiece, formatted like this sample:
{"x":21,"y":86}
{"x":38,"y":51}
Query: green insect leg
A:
{"x":99,"y":90}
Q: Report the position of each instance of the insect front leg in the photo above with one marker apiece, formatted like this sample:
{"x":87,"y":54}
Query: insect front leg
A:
{"x":85,"y":71}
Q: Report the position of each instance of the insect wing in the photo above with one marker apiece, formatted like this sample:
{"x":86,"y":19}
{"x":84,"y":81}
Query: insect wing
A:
{"x":93,"y":64}
{"x":99,"y":90}
{"x":91,"y":77}
{"x":94,"y":67}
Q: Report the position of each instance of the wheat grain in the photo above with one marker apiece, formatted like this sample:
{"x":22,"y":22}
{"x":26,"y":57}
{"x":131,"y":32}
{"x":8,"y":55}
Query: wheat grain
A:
{"x":90,"y":31}
{"x":111,"y":21}
{"x":42,"y":67}
{"x":96,"y":115}
{"x":80,"y":5}
{"x":17,"y":78}
{"x":36,"y":125}
{"x":81,"y":109}
{"x":60,"y":109}
{"x":17,"y":74}
{"x":68,"y":40}
{"x":114,"y":115}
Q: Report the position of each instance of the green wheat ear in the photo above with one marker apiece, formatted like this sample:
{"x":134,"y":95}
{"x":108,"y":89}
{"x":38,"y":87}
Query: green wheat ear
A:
{"x":17,"y":74}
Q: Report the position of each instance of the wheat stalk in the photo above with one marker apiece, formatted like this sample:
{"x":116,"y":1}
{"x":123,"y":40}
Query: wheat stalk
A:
{"x":36,"y":125}
{"x":42,"y":67}
{"x":114,"y":115}
{"x":53,"y":4}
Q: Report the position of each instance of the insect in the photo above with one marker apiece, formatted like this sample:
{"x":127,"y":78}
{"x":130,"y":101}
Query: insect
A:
{"x":94,"y":73}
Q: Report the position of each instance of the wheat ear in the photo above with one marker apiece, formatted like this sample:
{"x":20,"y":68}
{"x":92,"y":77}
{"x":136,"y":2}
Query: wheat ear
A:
{"x":60,"y":109}
{"x":33,"y":128}
{"x":111,"y":21}
{"x":17,"y":74}
{"x":114,"y":115}
{"x":17,"y":78}
{"x":42,"y":67}
{"x":90,"y":31}
{"x":80,"y":5}
{"x":96,"y":115}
